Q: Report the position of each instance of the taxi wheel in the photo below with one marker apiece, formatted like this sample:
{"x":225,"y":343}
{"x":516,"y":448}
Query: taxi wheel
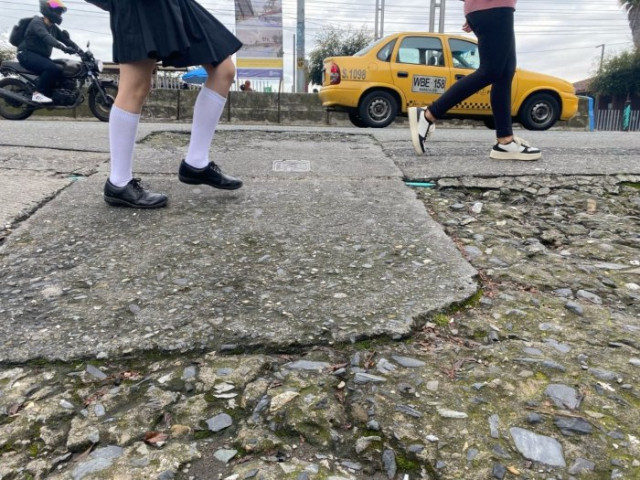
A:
{"x":356,"y":120}
{"x":378,"y":109}
{"x":540,"y":112}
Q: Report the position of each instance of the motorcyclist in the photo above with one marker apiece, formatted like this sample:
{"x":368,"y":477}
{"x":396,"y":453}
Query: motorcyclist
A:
{"x":41,"y":36}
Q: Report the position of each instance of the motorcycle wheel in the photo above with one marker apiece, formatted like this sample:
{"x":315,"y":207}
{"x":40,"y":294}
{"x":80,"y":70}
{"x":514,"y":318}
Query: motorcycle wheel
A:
{"x":98,"y":106}
{"x":13,"y":109}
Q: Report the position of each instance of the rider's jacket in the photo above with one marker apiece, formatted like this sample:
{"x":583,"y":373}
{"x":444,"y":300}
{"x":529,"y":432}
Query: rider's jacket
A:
{"x":41,"y":39}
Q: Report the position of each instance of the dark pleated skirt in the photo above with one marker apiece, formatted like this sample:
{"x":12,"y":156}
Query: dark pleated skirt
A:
{"x":179,"y":33}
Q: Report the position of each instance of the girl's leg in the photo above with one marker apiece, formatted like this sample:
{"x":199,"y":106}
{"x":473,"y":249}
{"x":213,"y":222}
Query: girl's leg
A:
{"x":208,"y":109}
{"x":134,"y":86}
{"x":496,"y":45}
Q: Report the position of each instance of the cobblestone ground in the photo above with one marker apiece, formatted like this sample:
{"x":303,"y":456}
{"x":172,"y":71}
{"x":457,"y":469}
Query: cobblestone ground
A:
{"x":536,"y":377}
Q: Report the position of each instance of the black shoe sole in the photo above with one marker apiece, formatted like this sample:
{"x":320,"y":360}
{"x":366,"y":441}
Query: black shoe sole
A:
{"x":197,"y":181}
{"x":118,"y":202}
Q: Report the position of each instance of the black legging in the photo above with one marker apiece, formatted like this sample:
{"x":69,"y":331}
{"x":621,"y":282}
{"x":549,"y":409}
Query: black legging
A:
{"x":497,"y":48}
{"x":47,"y":70}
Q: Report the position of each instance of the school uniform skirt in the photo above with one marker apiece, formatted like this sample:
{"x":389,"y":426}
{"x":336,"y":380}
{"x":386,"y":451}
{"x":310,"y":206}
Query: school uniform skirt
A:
{"x":178,"y":33}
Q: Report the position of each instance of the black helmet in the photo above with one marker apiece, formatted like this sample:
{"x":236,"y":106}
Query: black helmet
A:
{"x":53,"y":10}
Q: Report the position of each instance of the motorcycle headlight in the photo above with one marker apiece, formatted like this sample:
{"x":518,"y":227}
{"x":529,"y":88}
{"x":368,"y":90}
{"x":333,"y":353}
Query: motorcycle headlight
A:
{"x":100,"y":65}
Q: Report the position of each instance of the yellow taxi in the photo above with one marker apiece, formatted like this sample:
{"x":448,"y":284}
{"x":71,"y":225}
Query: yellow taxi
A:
{"x":409,"y":69}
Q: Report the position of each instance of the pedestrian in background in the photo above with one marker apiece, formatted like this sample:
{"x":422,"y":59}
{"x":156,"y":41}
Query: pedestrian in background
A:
{"x":178,"y":33}
{"x":492,"y":21}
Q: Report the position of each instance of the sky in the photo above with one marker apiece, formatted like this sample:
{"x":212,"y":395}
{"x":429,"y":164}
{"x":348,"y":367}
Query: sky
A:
{"x":563,"y":38}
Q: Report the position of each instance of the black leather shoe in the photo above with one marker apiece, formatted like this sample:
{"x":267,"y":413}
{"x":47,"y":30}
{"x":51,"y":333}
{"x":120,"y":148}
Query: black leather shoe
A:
{"x":210,"y":175}
{"x":133,"y":195}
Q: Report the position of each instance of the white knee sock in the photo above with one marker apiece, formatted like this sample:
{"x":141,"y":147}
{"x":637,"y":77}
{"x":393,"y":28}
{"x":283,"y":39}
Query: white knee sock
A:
{"x":123,"y":128}
{"x":206,"y":114}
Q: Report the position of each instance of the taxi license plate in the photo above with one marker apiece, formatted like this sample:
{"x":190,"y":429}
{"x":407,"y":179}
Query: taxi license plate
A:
{"x":424,"y":84}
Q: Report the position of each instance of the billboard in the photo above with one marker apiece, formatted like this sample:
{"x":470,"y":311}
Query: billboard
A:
{"x":259,"y":28}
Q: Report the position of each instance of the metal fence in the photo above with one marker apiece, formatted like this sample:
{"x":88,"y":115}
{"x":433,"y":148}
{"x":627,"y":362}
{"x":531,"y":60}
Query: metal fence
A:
{"x":612,"y":120}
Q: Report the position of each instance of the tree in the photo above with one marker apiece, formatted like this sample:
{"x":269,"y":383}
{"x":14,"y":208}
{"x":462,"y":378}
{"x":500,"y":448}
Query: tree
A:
{"x":334,"y":42}
{"x":619,"y":75}
{"x":633,"y":13}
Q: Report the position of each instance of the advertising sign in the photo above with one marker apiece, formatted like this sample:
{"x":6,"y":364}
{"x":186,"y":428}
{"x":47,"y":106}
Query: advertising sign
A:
{"x":259,"y":28}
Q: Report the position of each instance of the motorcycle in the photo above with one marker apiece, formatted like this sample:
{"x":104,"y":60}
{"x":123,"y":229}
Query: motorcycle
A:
{"x":18,"y":85}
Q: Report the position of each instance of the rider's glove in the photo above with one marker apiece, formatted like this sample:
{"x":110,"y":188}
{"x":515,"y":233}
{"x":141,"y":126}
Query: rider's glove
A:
{"x":69,"y":50}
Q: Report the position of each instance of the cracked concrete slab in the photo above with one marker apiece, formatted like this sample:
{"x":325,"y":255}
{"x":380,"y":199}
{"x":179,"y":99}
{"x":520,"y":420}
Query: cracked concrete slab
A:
{"x":340,"y":253}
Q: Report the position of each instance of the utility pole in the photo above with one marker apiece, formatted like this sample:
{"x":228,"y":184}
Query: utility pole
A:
{"x":597,"y":101}
{"x":293,"y":87}
{"x":439,"y":5}
{"x":601,"y":56}
{"x":300,"y":53}
{"x":379,"y":33}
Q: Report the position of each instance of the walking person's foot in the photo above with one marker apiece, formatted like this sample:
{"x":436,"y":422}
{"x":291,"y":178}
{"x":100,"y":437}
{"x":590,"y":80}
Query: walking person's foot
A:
{"x":133,"y":195}
{"x":517,"y":149}
{"x":420,"y":127}
{"x":210,"y":175}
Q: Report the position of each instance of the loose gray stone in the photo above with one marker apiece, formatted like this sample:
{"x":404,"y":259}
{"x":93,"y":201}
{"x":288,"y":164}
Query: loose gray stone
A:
{"x":307,"y":365}
{"x":591,"y":297}
{"x":446,"y":413}
{"x":408,"y":362}
{"x":538,"y":447}
{"x":472,"y":252}
{"x":110,"y":453}
{"x":581,"y":466}
{"x":603,"y":374}
{"x":574,"y":308}
{"x":571,"y":425}
{"x":99,"y":410}
{"x":552,"y":365}
{"x":373,"y":425}
{"x":532,"y":351}
{"x":494,"y":424}
{"x":167,"y":475}
{"x":351,"y":465}
{"x":96,"y":372}
{"x":362,"y":378}
{"x":412,"y":412}
{"x":561,"y":347}
{"x":563,"y":396}
{"x":471,"y":454}
{"x":415,"y":448}
{"x":635,"y":362}
{"x":564,"y":292}
{"x":385,"y":367}
{"x":225,"y":456}
{"x":219,"y":422}
{"x":498,"y":471}
{"x":189,"y":373}
{"x":91,"y":466}
{"x":389,"y":462}
{"x":534,"y":418}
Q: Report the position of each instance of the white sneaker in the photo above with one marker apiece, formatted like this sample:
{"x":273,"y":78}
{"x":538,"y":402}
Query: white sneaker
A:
{"x":40,"y":98}
{"x":518,"y":149}
{"x":421,"y":128}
